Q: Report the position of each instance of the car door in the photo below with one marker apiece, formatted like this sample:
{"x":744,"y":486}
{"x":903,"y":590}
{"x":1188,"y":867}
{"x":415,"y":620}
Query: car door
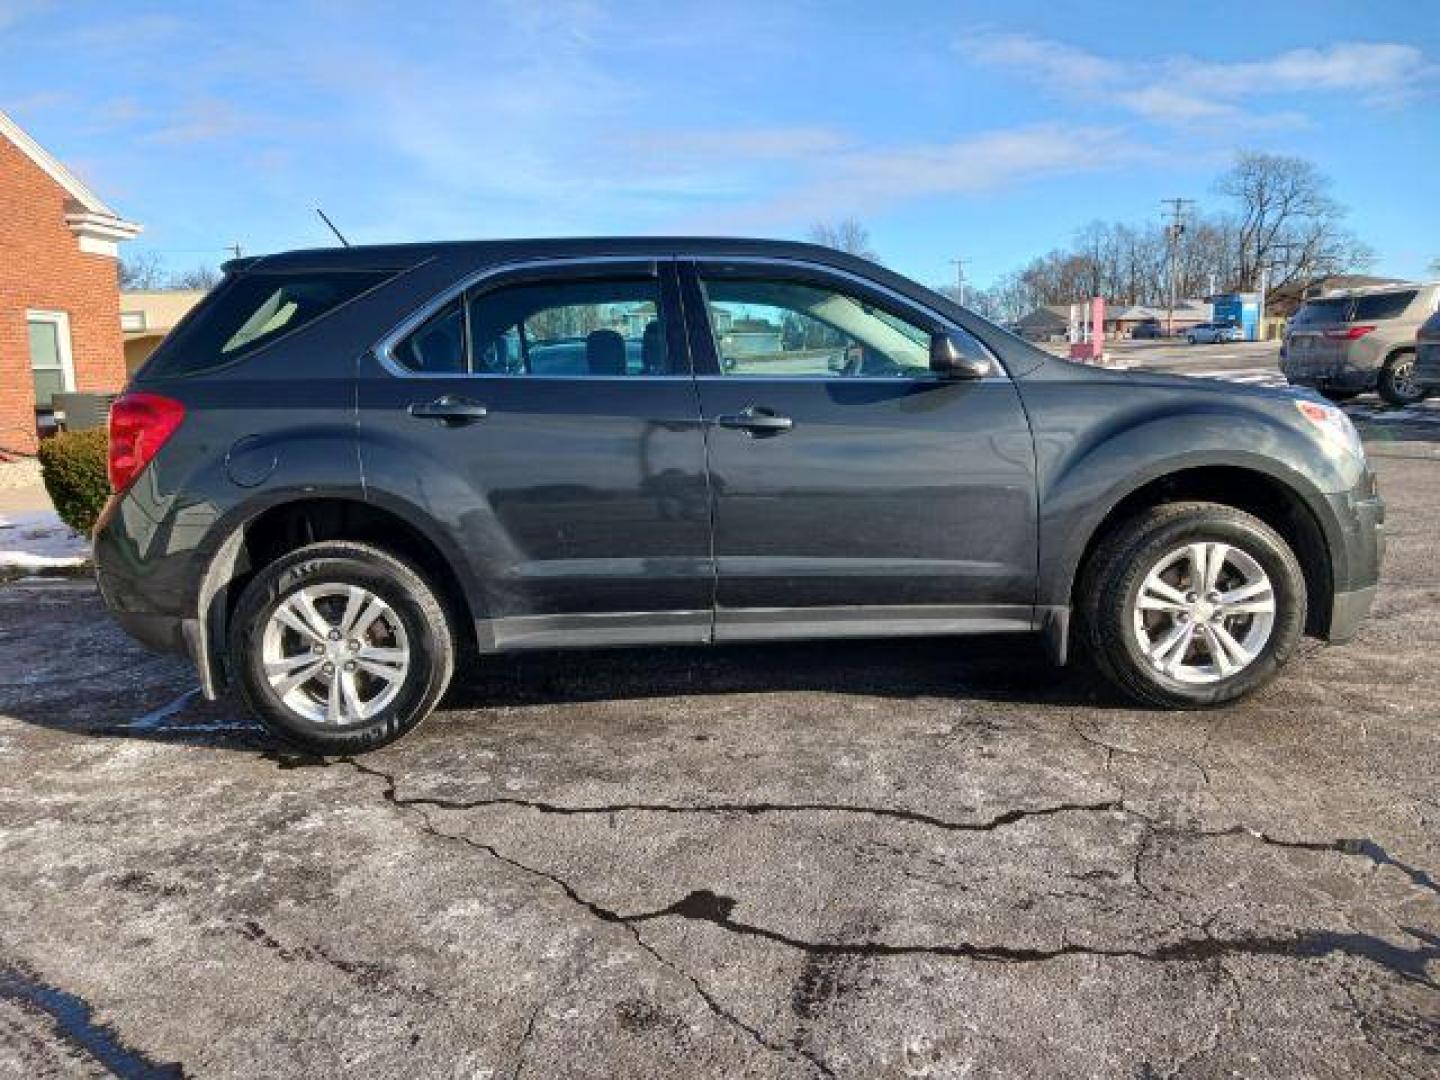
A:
{"x":545,"y":416}
{"x":853,"y":490}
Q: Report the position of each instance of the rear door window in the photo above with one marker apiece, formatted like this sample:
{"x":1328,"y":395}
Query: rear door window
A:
{"x":573,"y":328}
{"x":249,"y":311}
{"x":1383,"y":305}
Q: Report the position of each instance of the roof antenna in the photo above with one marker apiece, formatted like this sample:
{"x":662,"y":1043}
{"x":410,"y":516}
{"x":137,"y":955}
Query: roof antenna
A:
{"x":332,"y":226}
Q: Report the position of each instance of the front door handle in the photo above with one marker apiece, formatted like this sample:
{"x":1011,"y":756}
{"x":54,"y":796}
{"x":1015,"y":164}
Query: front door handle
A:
{"x":756,"y":420}
{"x":449,"y":409}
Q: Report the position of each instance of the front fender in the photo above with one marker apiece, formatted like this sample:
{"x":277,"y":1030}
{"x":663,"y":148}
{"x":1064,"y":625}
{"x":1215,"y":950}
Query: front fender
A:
{"x":1086,"y":470}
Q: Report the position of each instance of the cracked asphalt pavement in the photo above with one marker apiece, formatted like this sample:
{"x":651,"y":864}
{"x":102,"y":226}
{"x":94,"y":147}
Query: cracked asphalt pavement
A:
{"x":902,"y":859}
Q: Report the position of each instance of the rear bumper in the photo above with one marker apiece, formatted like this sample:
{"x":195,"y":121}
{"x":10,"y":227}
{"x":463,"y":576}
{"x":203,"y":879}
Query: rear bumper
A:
{"x":1338,"y":377}
{"x":163,"y":633}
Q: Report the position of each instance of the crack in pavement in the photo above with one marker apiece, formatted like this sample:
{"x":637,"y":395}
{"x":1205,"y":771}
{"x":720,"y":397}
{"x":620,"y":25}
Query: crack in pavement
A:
{"x":75,"y":1023}
{"x":914,"y":817}
{"x":704,"y":905}
{"x":1361,"y":847}
{"x":598,"y":911}
{"x":1367,"y":1032}
{"x":1110,"y":750}
{"x":1212,"y":1043}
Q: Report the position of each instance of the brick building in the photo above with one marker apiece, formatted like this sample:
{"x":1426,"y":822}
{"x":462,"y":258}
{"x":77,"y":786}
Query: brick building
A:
{"x":59,"y":288}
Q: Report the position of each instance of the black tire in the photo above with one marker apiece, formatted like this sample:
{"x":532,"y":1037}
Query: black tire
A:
{"x":1397,"y":379}
{"x":1339,"y":395}
{"x":431,"y":644}
{"x":1114,"y":574}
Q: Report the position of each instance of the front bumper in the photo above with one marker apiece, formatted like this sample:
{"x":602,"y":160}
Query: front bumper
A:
{"x":1362,"y":516}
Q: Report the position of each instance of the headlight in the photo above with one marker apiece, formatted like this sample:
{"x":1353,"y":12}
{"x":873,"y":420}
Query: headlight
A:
{"x":1334,"y":425}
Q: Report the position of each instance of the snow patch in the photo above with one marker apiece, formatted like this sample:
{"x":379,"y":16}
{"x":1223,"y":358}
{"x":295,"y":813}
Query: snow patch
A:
{"x":38,"y":539}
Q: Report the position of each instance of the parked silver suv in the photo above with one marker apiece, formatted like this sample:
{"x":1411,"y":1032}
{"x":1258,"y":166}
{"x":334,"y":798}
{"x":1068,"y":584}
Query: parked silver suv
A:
{"x":1346,"y":342}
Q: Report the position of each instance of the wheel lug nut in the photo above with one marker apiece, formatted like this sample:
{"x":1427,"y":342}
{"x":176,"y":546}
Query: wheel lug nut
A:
{"x":350,"y":665}
{"x":317,"y":648}
{"x":334,"y":635}
{"x":355,"y":646}
{"x":329,"y":669}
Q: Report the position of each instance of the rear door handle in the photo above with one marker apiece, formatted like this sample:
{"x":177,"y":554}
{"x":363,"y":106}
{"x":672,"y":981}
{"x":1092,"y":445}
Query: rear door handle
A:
{"x":757,"y":420}
{"x":450,"y":409}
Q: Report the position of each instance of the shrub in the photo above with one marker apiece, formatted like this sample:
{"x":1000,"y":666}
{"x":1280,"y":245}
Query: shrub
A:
{"x":73,"y":466}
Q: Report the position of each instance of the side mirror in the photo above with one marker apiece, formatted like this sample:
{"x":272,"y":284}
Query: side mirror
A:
{"x":955,"y":357}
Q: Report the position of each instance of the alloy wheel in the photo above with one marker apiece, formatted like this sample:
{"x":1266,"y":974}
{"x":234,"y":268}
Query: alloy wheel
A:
{"x":1204,"y":612}
{"x":335,"y":654}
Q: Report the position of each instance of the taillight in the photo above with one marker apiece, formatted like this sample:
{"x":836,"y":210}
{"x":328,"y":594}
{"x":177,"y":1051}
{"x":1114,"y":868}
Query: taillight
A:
{"x":1349,"y":333}
{"x":140,"y":423}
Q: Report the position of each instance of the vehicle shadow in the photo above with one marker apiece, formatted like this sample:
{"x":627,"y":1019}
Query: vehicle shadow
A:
{"x":158,"y":701}
{"x":1382,"y":425}
{"x":1001,"y":668}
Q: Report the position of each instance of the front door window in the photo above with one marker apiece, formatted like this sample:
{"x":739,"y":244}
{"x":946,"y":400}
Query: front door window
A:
{"x":784,"y":329}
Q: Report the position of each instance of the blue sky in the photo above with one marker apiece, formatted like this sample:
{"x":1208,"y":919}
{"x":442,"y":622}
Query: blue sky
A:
{"x":988,"y":131}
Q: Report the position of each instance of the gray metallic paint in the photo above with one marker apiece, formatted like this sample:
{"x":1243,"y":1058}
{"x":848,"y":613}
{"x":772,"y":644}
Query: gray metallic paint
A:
{"x":579,"y":506}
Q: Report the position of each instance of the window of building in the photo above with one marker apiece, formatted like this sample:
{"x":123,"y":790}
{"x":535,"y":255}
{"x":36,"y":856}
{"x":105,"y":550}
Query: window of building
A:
{"x":50,"y":363}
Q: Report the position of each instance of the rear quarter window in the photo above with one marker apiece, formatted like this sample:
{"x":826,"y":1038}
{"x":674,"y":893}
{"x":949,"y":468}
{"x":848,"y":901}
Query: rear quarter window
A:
{"x":249,"y":311}
{"x":1384,"y":305}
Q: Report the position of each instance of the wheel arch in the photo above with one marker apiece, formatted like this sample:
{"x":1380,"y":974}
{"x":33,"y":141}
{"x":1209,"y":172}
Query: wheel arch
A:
{"x":275,"y":528}
{"x":1268,"y":497}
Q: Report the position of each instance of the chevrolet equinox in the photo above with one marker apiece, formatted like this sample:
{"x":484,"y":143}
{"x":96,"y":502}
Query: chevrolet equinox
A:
{"x":348,"y":468}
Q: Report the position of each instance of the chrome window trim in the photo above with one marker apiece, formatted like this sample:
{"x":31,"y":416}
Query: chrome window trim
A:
{"x":384,"y":350}
{"x":905,"y":303}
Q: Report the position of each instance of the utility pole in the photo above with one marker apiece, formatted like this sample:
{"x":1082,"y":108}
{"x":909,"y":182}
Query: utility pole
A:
{"x":234,"y":249}
{"x":1283,"y":249}
{"x":1173,"y":231}
{"x":959,"y":265}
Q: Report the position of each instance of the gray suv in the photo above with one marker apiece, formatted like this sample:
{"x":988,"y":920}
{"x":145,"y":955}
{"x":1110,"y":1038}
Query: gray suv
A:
{"x":348,"y":469}
{"x":1345,"y":343}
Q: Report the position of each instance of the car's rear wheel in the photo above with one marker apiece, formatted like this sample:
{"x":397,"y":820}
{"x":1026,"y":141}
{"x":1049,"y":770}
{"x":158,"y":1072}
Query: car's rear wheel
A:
{"x":1191,"y":605}
{"x":340,"y":647}
{"x":1397,"y":383}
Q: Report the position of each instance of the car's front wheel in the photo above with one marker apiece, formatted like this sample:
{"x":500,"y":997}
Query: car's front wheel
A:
{"x":1190,"y":605}
{"x":340,"y":647}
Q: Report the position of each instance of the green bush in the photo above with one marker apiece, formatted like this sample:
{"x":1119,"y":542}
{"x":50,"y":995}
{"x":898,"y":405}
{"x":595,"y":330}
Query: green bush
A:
{"x":73,"y":465}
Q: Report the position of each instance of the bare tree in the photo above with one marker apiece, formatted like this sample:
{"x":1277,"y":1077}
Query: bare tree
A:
{"x":847,"y":235}
{"x":1286,"y":223}
{"x":143,"y":270}
{"x":200,"y":277}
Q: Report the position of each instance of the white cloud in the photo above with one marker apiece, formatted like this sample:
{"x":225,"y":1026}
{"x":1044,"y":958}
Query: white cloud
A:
{"x":1379,"y":68}
{"x":1186,"y":90}
{"x":863,"y":179}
